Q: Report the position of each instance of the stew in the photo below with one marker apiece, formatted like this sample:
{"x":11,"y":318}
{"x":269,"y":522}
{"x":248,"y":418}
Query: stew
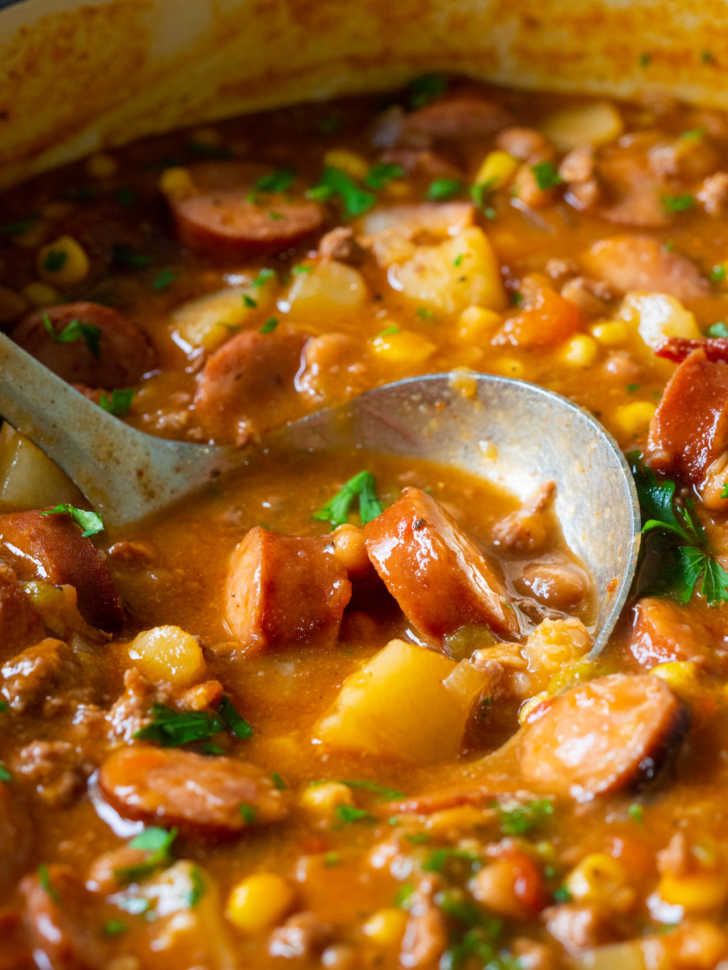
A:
{"x":340,"y":711}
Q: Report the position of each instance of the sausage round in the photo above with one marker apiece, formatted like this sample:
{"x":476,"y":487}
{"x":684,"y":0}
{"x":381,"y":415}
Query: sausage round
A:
{"x":51,"y":547}
{"x":601,"y":736}
{"x":221,"y":216}
{"x":214,"y":796}
{"x":438,"y":576}
{"x":114,"y":353}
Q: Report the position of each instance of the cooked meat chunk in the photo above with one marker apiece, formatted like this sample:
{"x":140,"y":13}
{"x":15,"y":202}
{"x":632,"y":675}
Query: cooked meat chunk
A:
{"x":340,"y":244}
{"x":302,"y":935}
{"x":106,"y":350}
{"x":130,"y":711}
{"x":438,"y":576}
{"x":635,"y":262}
{"x":713,"y":194}
{"x":247,"y":382}
{"x":524,"y":143}
{"x":211,"y":796}
{"x":633,"y":192}
{"x":29,"y":677}
{"x":220,"y":215}
{"x":528,"y":528}
{"x":20,"y":624}
{"x":51,"y":547}
{"x":577,"y":927}
{"x":689,"y":429}
{"x":602,"y":736}
{"x":55,"y":768}
{"x":425,"y":936}
{"x":284,"y":590}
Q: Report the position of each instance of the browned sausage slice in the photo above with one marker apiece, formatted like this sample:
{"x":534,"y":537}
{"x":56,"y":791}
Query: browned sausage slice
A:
{"x":52,"y":548}
{"x":461,"y":115}
{"x":107,"y":350}
{"x":434,"y":571}
{"x":212,"y":796}
{"x":284,"y":590}
{"x":630,"y":262}
{"x":220,"y":214}
{"x":662,"y":633}
{"x":245,"y":386}
{"x":601,"y":736}
{"x":689,"y":429}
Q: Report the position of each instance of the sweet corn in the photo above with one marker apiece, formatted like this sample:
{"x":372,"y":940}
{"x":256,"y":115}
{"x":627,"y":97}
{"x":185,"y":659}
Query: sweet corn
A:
{"x":496,"y":169}
{"x":508,"y":366}
{"x":176,"y":181}
{"x":695,"y":891}
{"x":611,"y":333}
{"x":63,"y":261}
{"x":477,"y":323}
{"x":579,"y":351}
{"x":12,"y":304}
{"x":258,"y":902}
{"x":323,"y":800}
{"x":169,"y":654}
{"x":600,"y":879}
{"x":385,"y":927}
{"x":349,"y":162}
{"x":403,"y":348}
{"x":40,"y":294}
{"x":101,"y":166}
{"x":681,"y":675}
{"x":632,"y":419}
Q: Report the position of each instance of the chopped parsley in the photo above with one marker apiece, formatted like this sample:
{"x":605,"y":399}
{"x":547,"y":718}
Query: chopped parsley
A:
{"x":157,"y":843}
{"x":44,"y":878}
{"x":707,"y":57}
{"x":4,"y":773}
{"x":248,"y":813}
{"x":480,"y":194}
{"x":115,"y":927}
{"x":54,"y":260}
{"x":693,"y":134}
{"x":458,"y":261}
{"x":363,"y":784}
{"x":332,"y":859}
{"x":724,"y":490}
{"x":645,"y":59}
{"x":335,"y":183}
{"x":442,"y":189}
{"x":361,"y":487}
{"x":88,"y":521}
{"x":424,"y":313}
{"x":264,"y":276}
{"x":125,"y":256}
{"x":546,"y":175}
{"x":686,"y":563}
{"x":350,"y":814}
{"x":164,"y":279}
{"x":278,"y":781}
{"x":118,"y":402}
{"x":249,"y":302}
{"x":197,"y":887}
{"x":74,"y":331}
{"x":632,"y":388}
{"x":525,"y":818}
{"x":562,"y":895}
{"x":636,"y":812}
{"x":439,"y":859}
{"x":18,"y":228}
{"x":302,"y":269}
{"x":278,"y":180}
{"x":173,"y":729}
{"x":426,"y":88}
{"x":382,"y":174}
{"x":270,"y":325}
{"x":678,"y":203}
{"x":718,"y":329}
{"x":717,"y":273}
{"x":233,"y":720}
{"x":403,"y":896}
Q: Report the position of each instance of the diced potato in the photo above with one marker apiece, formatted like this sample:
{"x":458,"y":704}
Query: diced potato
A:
{"x":595,"y":124}
{"x":169,"y":654}
{"x":406,"y":703}
{"x":209,"y":320}
{"x":626,"y":956}
{"x":328,"y":288}
{"x":28,"y":478}
{"x":657,"y":317}
{"x":460,"y":272}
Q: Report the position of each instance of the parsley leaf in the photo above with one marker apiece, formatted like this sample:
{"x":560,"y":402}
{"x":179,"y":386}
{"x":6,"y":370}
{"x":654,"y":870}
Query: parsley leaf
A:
{"x":546,"y":175}
{"x":270,"y":325}
{"x":157,"y":843}
{"x":438,"y":859}
{"x":382,"y":174}
{"x":163,"y":279}
{"x":276,"y":181}
{"x":197,"y":887}
{"x":4,"y":773}
{"x":336,"y":183}
{"x":54,"y":260}
{"x":522,"y":819}
{"x":114,"y":927}
{"x":172,"y":729}
{"x":718,"y":329}
{"x":361,"y":486}
{"x":426,"y":88}
{"x":442,"y":189}
{"x":264,"y":276}
{"x":73,"y":331}
{"x":44,"y":878}
{"x":678,"y":203}
{"x":90,"y":522}
{"x":348,"y":814}
{"x":364,"y":784}
{"x":18,"y":228}
{"x":233,"y":720}
{"x":118,"y":402}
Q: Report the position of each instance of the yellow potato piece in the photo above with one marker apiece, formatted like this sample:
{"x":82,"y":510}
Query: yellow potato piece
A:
{"x":596,"y":123}
{"x":326,"y":289}
{"x":210,"y":320}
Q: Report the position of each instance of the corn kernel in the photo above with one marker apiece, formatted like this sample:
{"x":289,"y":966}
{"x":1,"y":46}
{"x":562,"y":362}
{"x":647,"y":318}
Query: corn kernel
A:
{"x":176,"y":181}
{"x":12,"y":304}
{"x":101,"y":166}
{"x":476,"y":323}
{"x":508,"y":366}
{"x":169,"y":654}
{"x":323,"y":800}
{"x":632,"y":419}
{"x":385,"y":927}
{"x":600,"y":879}
{"x":612,"y":333}
{"x":40,"y":294}
{"x":402,"y":348}
{"x":681,"y":675}
{"x":497,"y":169}
{"x":63,"y":261}
{"x":259,"y":902}
{"x":464,"y":381}
{"x":695,"y":891}
{"x":579,"y":351}
{"x":349,"y":162}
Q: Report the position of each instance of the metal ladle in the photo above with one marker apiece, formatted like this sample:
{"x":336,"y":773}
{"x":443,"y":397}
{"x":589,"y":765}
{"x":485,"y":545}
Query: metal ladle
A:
{"x":515,"y":434}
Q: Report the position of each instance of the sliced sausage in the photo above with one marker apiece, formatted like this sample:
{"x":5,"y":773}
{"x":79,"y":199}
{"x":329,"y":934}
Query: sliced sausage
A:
{"x":462,"y":115}
{"x":220,"y":214}
{"x":678,"y":349}
{"x":284,"y":590}
{"x":438,"y":576}
{"x":662,"y":633}
{"x":210,"y":796}
{"x":640,"y":263}
{"x":602,"y":736}
{"x":245,"y":385}
{"x":52,"y":548}
{"x":111,"y":352}
{"x":689,"y":429}
{"x":20,"y":623}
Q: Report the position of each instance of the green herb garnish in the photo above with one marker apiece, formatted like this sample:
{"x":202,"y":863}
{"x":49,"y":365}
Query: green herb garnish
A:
{"x":442,"y":189}
{"x":90,"y":522}
{"x":349,"y":814}
{"x":248,"y":813}
{"x":118,"y":402}
{"x":197,"y":889}
{"x":44,"y":877}
{"x":522,"y":819}
{"x":278,"y":781}
{"x":264,"y":276}
{"x":115,"y":927}
{"x":126,"y":257}
{"x":164,"y":279}
{"x":157,"y":843}
{"x":54,"y":260}
{"x":335,"y":183}
{"x":382,"y":174}
{"x":4,"y":773}
{"x":173,"y":729}
{"x":678,"y":203}
{"x":270,"y":325}
{"x":439,"y":859}
{"x":233,"y":720}
{"x":73,"y":331}
{"x":426,"y":88}
{"x":361,"y":486}
{"x":276,"y":181}
{"x":363,"y":784}
{"x":718,"y":329}
{"x":546,"y":175}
